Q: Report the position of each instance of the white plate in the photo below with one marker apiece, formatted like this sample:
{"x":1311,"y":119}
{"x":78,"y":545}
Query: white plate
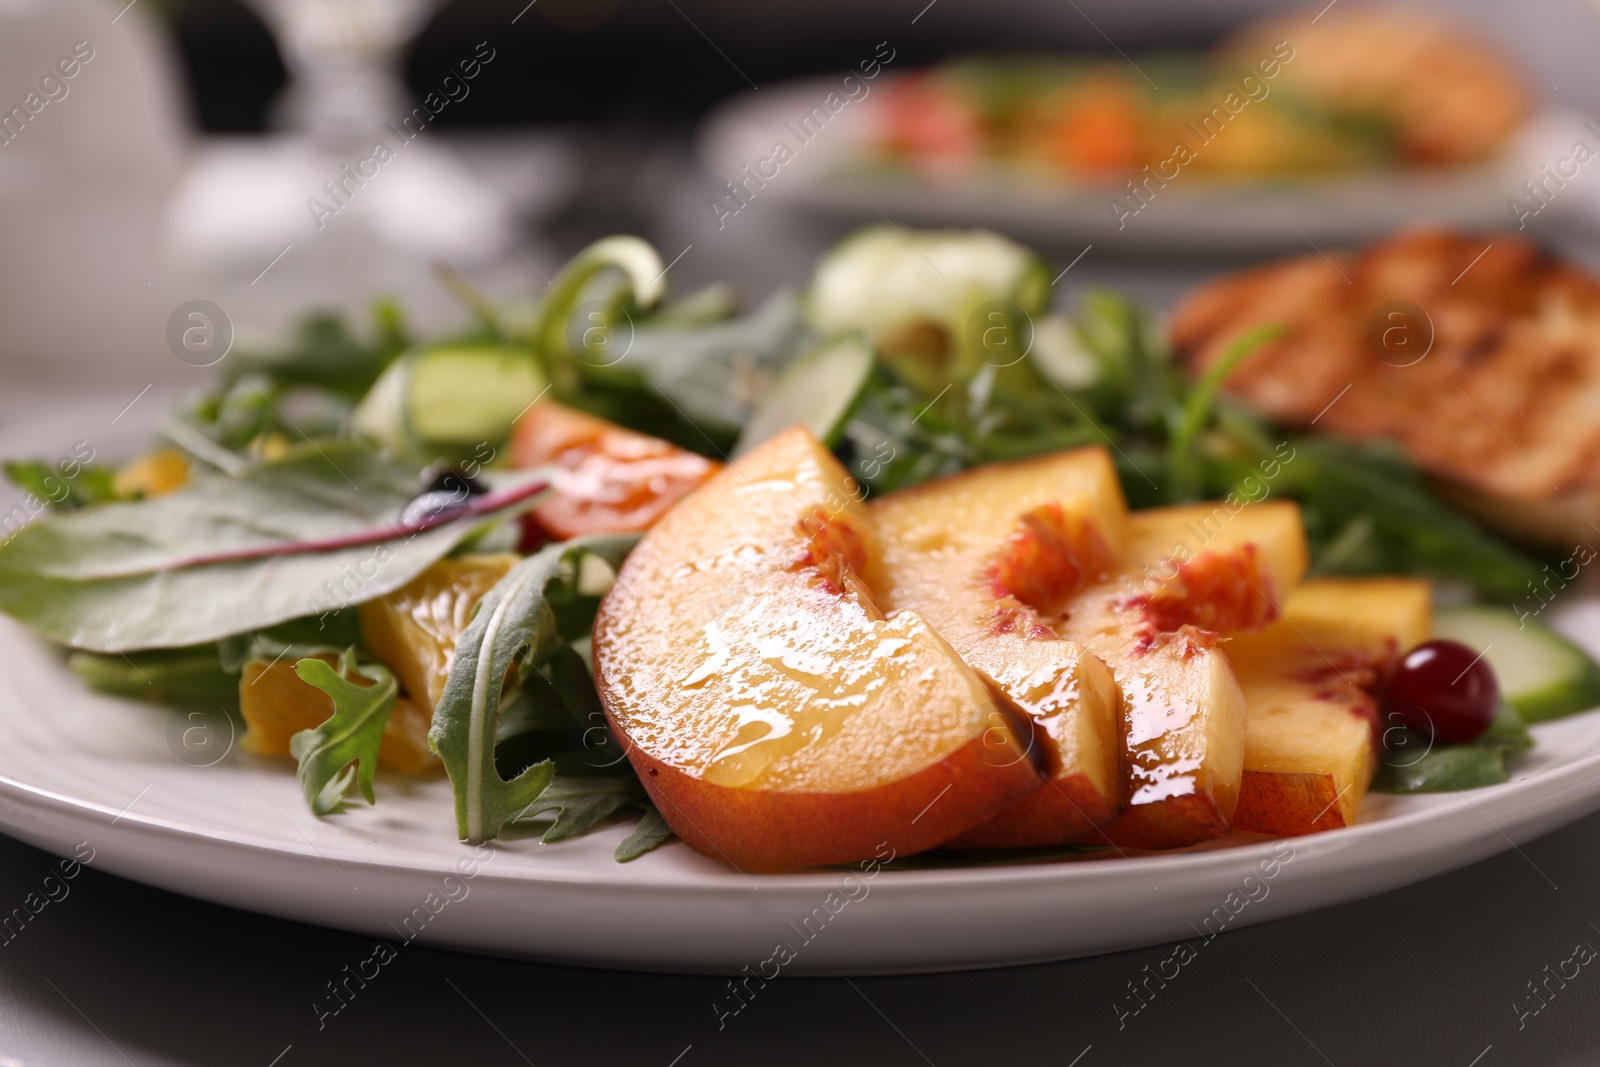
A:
{"x":830,"y":172}
{"x":78,"y":767}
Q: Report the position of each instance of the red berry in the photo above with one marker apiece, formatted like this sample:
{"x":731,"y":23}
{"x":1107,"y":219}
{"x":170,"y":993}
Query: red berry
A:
{"x":1443,"y":690}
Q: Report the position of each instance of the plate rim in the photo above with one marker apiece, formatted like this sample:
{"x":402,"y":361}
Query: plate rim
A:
{"x":1540,"y":785}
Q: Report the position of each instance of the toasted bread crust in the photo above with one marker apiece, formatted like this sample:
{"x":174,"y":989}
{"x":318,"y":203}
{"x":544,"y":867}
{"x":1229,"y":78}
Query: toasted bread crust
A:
{"x":1496,"y":385}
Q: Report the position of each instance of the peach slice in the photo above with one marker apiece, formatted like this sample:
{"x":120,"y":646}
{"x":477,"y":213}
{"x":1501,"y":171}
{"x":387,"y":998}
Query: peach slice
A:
{"x":1185,"y":575}
{"x":777,"y":718}
{"x":607,"y":479}
{"x":1311,"y":726}
{"x":989,"y":557}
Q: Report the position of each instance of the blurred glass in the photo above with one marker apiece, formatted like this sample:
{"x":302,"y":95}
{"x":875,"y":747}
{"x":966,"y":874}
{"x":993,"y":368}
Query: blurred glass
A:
{"x":87,"y":161}
{"x":344,"y":62}
{"x":345,"y":203}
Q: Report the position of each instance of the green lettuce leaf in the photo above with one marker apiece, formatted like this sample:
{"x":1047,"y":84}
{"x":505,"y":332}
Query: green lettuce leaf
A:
{"x":328,"y":634}
{"x":1451,"y":768}
{"x":325,"y":352}
{"x":310,"y":534}
{"x":91,"y":485}
{"x":346,"y":746}
{"x":522,"y":619}
{"x":692,"y":382}
{"x":181,"y":676}
{"x":583,"y":801}
{"x":651,"y":833}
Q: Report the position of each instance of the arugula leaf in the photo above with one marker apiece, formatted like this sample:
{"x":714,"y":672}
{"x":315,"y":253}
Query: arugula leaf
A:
{"x":294,"y":640}
{"x":651,"y":833}
{"x":346,"y":746}
{"x":533,"y":709}
{"x":1403,"y":527}
{"x":555,"y":711}
{"x":1451,"y":768}
{"x":1137,"y":388}
{"x":312,"y":533}
{"x":572,"y":679}
{"x":696,"y":383}
{"x":894,"y":439}
{"x":324,"y":352}
{"x":584,"y":801}
{"x":183,"y":676}
{"x":556,"y":715}
{"x":519,"y":619}
{"x":639,"y":264}
{"x":1183,"y":458}
{"x":91,"y":485}
{"x":1366,"y":508}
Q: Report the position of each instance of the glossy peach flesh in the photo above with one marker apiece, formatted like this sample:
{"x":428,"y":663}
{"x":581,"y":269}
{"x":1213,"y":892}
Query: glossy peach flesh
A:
{"x":991,"y":558}
{"x":606,"y":479}
{"x":778,"y":718}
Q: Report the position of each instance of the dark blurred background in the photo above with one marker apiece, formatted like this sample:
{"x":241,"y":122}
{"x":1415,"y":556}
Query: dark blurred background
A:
{"x":625,"y":83}
{"x":645,"y":63}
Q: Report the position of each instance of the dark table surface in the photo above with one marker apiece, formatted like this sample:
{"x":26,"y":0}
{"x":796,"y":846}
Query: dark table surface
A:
{"x":1436,"y":973}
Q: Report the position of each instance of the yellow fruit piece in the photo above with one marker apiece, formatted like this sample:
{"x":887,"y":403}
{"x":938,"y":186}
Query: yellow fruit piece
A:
{"x":276,"y":705}
{"x":1172,"y":548}
{"x":1311,"y":725}
{"x":1309,"y":755}
{"x":414,"y":629}
{"x":1184,"y":576}
{"x":269,"y":447}
{"x":1378,"y":618}
{"x":152,"y":474}
{"x":989,"y":557}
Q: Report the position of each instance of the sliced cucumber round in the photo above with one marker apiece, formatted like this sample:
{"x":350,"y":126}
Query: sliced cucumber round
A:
{"x":381,"y":415}
{"x":1541,"y":674}
{"x":881,"y":277}
{"x":452,"y":395}
{"x":818,"y":391}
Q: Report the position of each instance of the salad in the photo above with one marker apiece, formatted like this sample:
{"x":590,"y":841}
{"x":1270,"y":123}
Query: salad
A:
{"x":903,"y":557}
{"x":1309,"y":93}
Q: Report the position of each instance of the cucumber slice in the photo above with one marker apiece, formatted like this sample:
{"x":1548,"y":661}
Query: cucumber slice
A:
{"x":1541,"y":674}
{"x":880,"y":277}
{"x":818,"y":391}
{"x":467,"y":395}
{"x":381,"y":414}
{"x":451,"y":396}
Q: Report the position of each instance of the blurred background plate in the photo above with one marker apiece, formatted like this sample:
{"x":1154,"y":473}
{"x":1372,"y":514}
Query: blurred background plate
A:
{"x":835,"y":173}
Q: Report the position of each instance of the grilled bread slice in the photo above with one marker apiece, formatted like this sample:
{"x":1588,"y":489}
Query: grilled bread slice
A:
{"x":1478,"y":355}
